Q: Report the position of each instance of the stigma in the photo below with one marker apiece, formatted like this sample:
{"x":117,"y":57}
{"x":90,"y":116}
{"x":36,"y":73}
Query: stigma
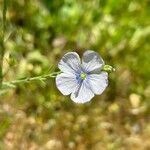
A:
{"x":83,"y":76}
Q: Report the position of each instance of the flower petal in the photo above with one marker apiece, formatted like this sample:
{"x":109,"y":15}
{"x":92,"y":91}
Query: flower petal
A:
{"x":66,"y":83}
{"x":98,"y":82}
{"x":82,"y":93}
{"x":92,"y":62}
{"x":70,"y":63}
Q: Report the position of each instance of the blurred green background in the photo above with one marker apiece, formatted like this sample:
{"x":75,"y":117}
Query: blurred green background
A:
{"x":36,"y":116}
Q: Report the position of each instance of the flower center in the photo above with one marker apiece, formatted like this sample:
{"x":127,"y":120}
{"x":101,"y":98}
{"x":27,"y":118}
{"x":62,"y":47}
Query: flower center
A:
{"x":83,"y":76}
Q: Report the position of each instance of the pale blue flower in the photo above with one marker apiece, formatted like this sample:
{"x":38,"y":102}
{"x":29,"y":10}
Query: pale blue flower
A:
{"x":82,"y":79}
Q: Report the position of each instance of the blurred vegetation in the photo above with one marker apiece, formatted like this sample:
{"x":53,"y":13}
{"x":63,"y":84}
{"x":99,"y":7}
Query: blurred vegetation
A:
{"x":36,"y":116}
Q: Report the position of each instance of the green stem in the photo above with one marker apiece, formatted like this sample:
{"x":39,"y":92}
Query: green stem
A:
{"x":2,"y":47}
{"x":13,"y":84}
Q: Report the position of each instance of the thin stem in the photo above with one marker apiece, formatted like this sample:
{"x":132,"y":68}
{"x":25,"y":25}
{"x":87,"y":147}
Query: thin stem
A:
{"x":2,"y":47}
{"x":13,"y":84}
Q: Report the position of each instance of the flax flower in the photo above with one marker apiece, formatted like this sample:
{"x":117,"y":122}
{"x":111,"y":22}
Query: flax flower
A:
{"x":81,"y":78}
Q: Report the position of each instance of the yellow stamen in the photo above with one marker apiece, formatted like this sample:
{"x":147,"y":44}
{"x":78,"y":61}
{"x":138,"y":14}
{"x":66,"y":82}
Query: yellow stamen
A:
{"x":83,"y":76}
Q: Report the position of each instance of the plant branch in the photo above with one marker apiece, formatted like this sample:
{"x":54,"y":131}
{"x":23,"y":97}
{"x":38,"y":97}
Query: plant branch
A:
{"x":42,"y":78}
{"x":2,"y":47}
